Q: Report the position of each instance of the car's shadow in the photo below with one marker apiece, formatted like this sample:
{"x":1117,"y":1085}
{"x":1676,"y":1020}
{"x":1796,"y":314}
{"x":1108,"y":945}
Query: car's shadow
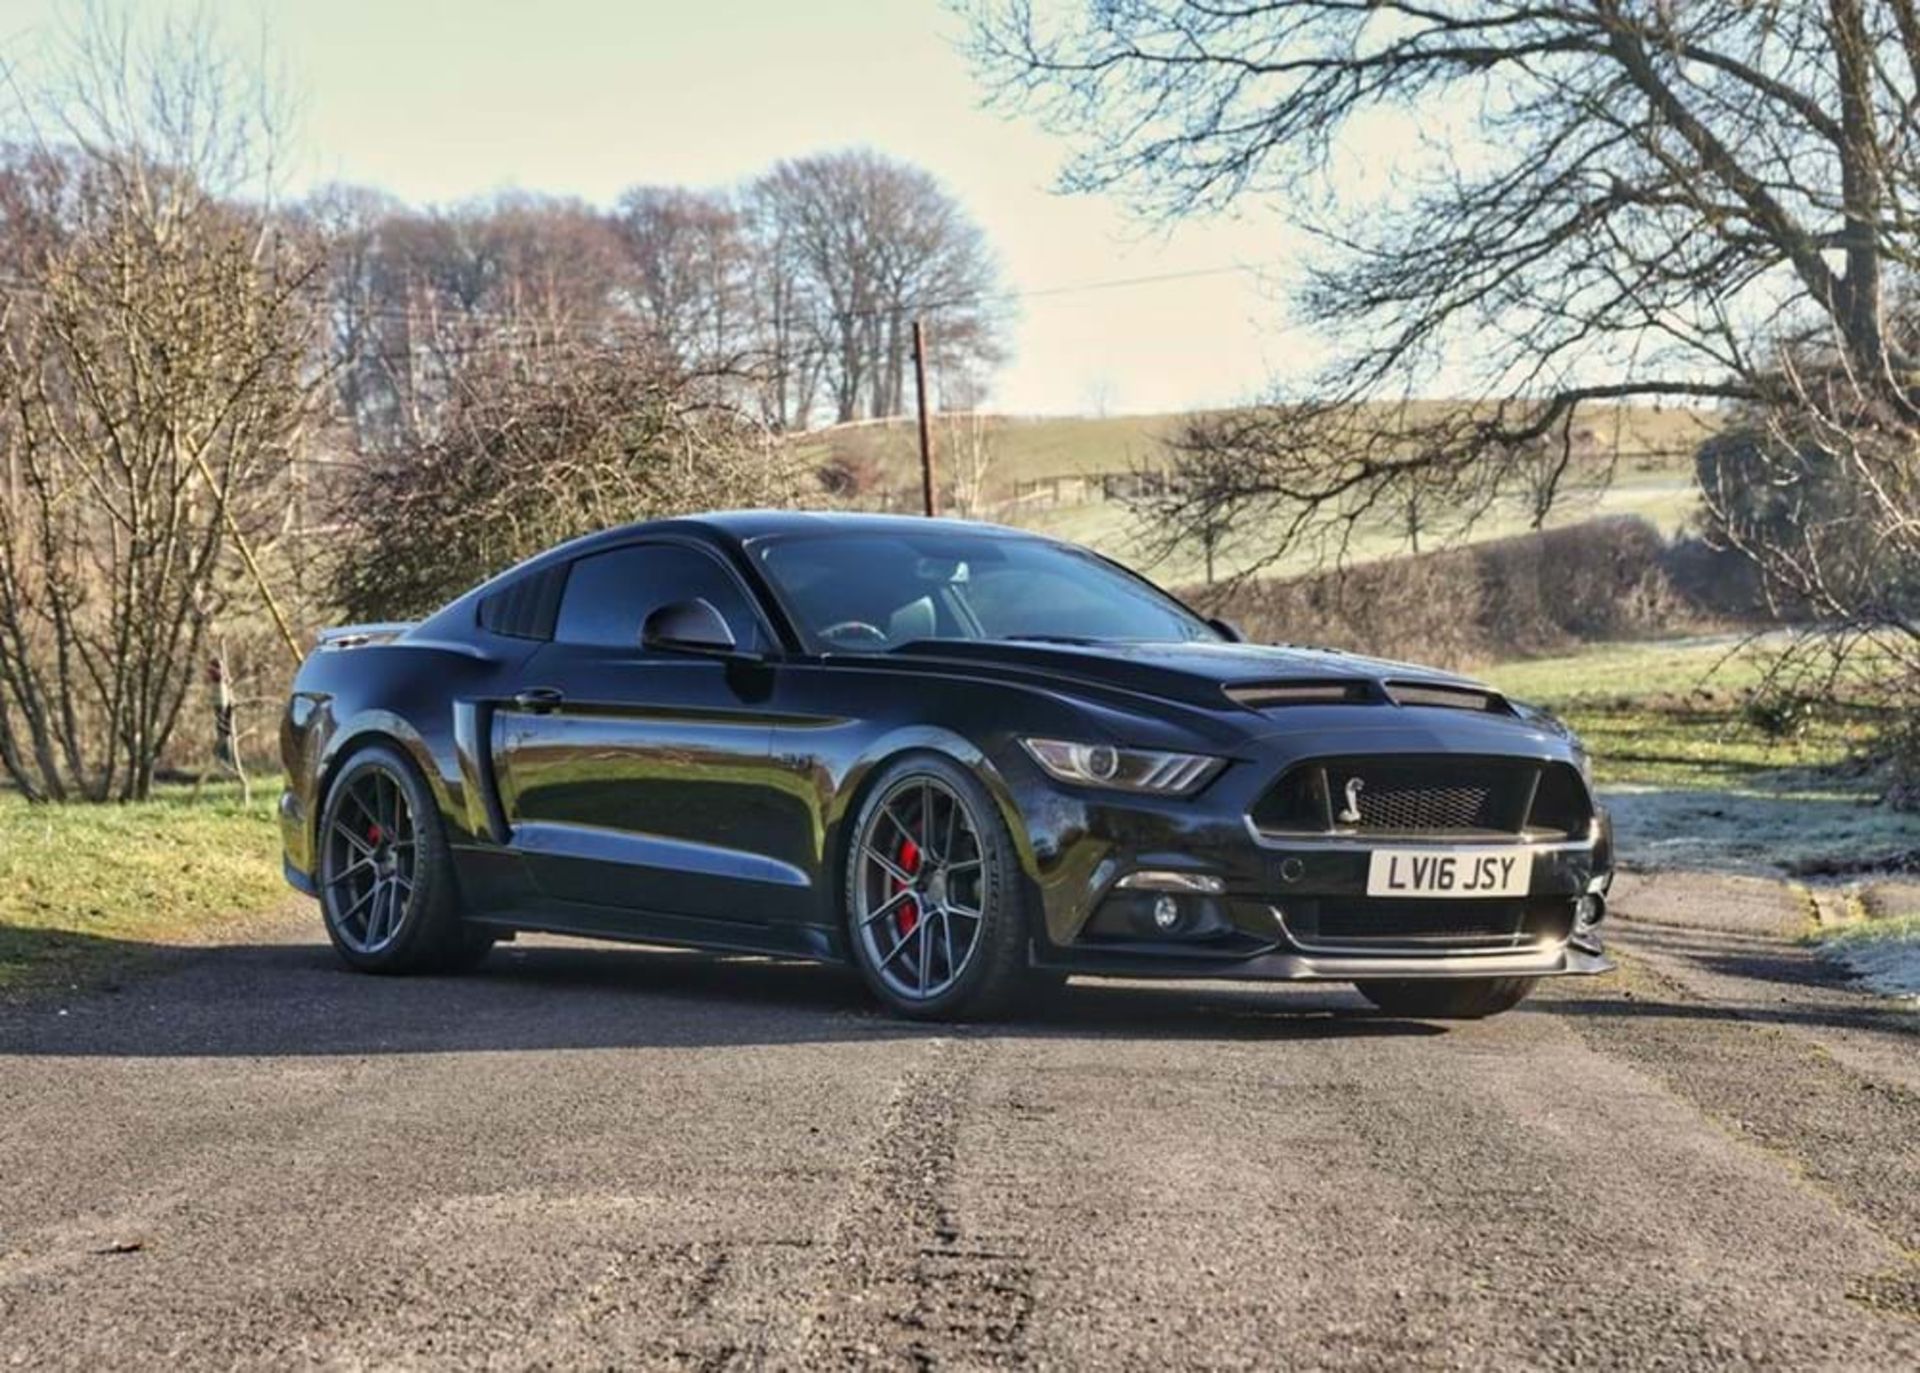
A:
{"x":295,"y":999}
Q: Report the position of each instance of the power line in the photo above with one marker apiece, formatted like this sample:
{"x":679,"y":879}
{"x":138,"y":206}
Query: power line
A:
{"x":414,"y":314}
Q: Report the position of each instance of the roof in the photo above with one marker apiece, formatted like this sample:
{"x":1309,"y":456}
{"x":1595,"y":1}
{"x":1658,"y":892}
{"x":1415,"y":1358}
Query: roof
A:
{"x":756,"y":524}
{"x":742,"y":526}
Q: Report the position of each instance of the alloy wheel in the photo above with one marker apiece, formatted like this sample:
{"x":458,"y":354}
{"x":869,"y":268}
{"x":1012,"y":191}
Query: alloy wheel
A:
{"x":920,"y":898}
{"x":367,"y":868}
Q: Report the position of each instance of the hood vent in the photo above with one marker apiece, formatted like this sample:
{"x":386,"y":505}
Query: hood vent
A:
{"x":1448,"y":697}
{"x":1267,"y":695}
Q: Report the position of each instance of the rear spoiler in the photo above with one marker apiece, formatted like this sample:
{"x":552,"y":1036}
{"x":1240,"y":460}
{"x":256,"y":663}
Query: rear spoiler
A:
{"x":362,"y":636}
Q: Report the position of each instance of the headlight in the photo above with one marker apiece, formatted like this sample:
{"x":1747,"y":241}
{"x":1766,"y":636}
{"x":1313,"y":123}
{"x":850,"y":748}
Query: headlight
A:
{"x":1124,"y":769}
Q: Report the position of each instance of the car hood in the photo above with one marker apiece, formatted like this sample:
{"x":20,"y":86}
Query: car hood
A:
{"x":1225,"y":693}
{"x":1195,"y":673}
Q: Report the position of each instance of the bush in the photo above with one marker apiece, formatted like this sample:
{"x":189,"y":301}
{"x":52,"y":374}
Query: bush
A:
{"x":1779,"y":714}
{"x":1602,"y":579}
{"x":1902,"y":742}
{"x":522,"y":463}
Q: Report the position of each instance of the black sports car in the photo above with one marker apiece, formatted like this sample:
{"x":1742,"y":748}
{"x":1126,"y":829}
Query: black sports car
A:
{"x":966,"y":759}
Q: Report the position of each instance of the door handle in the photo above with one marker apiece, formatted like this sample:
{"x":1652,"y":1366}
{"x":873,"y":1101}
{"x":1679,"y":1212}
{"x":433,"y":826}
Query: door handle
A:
{"x":536,"y":700}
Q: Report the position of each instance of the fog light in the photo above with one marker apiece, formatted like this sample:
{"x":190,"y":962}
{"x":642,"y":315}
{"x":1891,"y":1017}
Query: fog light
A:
{"x":1588,"y":912}
{"x":1166,"y":914}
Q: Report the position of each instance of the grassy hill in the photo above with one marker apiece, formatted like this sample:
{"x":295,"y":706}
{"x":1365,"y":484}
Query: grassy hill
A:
{"x":1042,"y":473}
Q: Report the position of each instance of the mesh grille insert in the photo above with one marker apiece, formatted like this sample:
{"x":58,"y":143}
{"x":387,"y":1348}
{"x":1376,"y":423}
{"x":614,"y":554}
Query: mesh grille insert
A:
{"x":1430,"y":795}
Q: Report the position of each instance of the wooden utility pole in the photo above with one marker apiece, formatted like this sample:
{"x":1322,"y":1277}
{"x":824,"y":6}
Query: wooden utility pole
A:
{"x":926,"y":421}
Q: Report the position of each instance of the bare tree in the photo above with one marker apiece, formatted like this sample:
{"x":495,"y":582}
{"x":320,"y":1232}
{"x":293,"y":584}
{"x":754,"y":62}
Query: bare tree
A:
{"x":1823,"y":496}
{"x":414,"y":297}
{"x":154,"y":366}
{"x":873,"y":242}
{"x":785,"y":312}
{"x":969,"y":451}
{"x":1611,"y":200}
{"x":689,"y":271}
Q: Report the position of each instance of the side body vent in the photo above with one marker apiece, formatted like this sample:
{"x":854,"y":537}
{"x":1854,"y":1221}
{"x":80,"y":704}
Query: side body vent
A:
{"x":526,"y":607}
{"x":1448,"y":697}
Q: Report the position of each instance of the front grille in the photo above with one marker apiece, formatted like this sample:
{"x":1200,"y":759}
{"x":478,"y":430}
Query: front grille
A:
{"x":1426,"y":796}
{"x":1410,"y":803}
{"x":1352,"y":923}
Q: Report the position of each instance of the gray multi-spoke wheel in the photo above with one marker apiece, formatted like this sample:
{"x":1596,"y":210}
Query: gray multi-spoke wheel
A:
{"x":934,"y":902}
{"x":920,"y":904}
{"x":386,"y":880}
{"x":367,"y":862}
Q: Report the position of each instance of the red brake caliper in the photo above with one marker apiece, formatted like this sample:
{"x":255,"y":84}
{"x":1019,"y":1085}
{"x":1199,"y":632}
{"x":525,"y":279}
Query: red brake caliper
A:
{"x":909,"y":914}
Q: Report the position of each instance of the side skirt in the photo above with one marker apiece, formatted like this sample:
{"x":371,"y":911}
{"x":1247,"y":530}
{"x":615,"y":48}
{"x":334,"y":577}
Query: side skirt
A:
{"x":620,"y":924}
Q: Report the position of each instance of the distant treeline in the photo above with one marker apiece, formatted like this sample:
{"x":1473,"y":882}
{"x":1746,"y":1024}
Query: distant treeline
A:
{"x":794,"y":294}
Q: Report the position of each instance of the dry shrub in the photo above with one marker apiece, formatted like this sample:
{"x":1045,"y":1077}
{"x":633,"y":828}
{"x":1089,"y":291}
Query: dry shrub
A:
{"x":1903,"y":761}
{"x":1602,"y":579}
{"x":525,"y":461}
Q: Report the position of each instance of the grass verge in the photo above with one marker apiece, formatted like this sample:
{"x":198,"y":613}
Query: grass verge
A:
{"x":1882,"y":952}
{"x":84,"y":888}
{"x":1671,"y":714}
{"x":1694,"y":782}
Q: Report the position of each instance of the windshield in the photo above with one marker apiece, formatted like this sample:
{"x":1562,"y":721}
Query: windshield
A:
{"x":874,"y":592}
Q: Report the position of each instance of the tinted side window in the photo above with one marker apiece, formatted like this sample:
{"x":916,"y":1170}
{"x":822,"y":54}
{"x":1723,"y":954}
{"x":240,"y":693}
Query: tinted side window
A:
{"x":610,"y":595}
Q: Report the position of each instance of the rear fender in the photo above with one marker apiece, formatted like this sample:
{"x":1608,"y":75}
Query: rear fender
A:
{"x":384,"y":727}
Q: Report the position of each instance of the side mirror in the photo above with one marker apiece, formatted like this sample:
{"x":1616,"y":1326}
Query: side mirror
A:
{"x":1229,"y":631}
{"x":688,"y":627}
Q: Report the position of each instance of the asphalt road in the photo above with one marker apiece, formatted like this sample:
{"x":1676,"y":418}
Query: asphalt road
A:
{"x":615,"y":1157}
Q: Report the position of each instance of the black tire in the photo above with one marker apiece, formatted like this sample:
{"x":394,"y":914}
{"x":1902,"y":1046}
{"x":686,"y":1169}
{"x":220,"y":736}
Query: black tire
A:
{"x":419,"y":926}
{"x":992,"y":973}
{"x":1045,"y":981}
{"x":1466,"y":998}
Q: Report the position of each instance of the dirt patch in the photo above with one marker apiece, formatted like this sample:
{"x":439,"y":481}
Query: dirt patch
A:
{"x":1891,"y":900}
{"x":1714,"y":901}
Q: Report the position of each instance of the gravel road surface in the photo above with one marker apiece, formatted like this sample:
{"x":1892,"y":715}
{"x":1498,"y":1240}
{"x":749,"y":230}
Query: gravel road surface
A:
{"x":594,"y":1156}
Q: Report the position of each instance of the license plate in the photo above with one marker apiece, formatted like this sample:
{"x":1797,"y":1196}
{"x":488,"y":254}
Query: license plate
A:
{"x":1449,"y":872}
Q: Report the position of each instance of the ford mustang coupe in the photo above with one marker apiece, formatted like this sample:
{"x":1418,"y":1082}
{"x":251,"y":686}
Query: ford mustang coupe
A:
{"x":968,"y":760}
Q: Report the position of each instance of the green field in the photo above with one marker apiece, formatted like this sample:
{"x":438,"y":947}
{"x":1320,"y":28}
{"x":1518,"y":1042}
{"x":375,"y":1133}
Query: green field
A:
{"x":1653,"y":479}
{"x":1693,"y":781}
{"x":1673,"y":714}
{"x":1668,"y":503}
{"x":84,"y":887}
{"x":1033,"y":448}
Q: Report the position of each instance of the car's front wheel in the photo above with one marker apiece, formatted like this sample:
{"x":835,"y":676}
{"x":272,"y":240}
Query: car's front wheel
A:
{"x":935,"y":908}
{"x":386,"y":878}
{"x":1466,"y":998}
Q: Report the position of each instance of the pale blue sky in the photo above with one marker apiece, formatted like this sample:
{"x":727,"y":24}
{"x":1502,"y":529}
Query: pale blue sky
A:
{"x":437,"y":101}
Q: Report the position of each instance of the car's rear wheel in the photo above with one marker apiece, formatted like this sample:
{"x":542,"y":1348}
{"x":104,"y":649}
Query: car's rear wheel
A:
{"x":935,"y":909}
{"x":387,"y":888}
{"x":1466,"y":998}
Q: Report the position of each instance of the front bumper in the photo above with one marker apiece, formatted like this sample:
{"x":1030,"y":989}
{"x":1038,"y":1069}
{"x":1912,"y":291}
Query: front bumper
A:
{"x":296,"y":844}
{"x":1235,"y":916}
{"x":1287,"y":965}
